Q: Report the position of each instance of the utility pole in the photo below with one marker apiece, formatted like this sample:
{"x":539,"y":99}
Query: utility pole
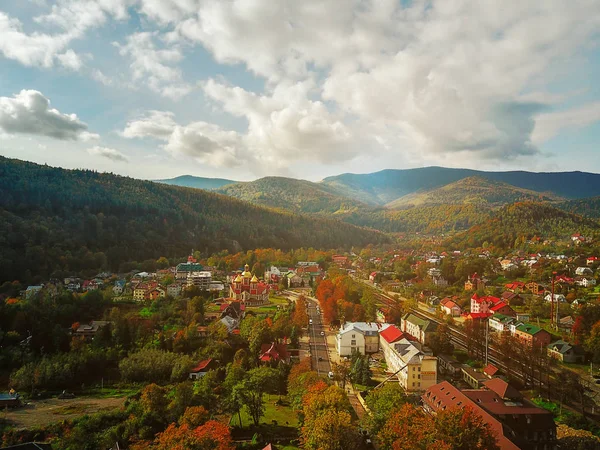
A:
{"x":553,"y":313}
{"x":487,"y":334}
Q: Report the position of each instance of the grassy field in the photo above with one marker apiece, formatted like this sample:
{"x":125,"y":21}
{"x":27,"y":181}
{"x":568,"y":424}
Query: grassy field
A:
{"x":283,"y":414}
{"x":277,"y":300}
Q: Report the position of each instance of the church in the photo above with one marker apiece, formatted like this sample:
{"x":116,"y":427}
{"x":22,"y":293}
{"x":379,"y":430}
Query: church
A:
{"x":248,"y":289}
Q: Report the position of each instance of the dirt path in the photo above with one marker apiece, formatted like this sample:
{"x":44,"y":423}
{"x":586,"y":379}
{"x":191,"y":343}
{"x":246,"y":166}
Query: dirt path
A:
{"x":44,"y":412}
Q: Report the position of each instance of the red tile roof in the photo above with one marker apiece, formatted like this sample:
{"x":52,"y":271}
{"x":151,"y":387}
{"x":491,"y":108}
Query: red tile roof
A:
{"x":477,"y":316}
{"x":273,"y":352}
{"x":498,"y":306}
{"x":490,"y":370}
{"x":201,"y":365}
{"x":392,"y":334}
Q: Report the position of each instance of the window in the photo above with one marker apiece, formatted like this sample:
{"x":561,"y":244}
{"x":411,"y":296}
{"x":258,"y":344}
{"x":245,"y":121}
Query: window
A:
{"x":419,"y":376}
{"x":419,"y":369}
{"x":353,"y":342}
{"x":353,"y":336}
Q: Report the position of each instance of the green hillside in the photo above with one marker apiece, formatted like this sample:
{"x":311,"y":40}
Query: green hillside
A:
{"x":471,"y":190}
{"x":519,"y":222}
{"x":381,"y":188}
{"x":54,"y":220}
{"x":323,"y":200}
{"x":196,"y":182}
{"x":294,"y":195}
{"x":588,"y":207}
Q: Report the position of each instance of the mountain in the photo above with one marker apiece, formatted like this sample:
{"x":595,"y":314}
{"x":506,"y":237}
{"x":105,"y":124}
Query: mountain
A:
{"x":323,"y":200}
{"x":381,"y":188}
{"x":471,"y":190}
{"x":294,"y":195}
{"x":208,"y":184}
{"x":55,"y":221}
{"x":588,"y":207}
{"x":514,"y":224}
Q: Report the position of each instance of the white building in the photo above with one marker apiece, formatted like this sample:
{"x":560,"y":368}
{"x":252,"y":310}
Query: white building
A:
{"x":557,"y":298}
{"x":359,"y":336}
{"x":199,"y":279}
{"x":415,"y":370}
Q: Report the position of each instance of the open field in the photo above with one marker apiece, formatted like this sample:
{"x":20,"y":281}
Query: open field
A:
{"x":44,"y":412}
{"x":283,"y":414}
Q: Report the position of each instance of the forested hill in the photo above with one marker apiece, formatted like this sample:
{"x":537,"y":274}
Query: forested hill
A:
{"x":196,"y":182}
{"x":589,"y":207}
{"x":512,"y":225}
{"x":57,"y":221}
{"x":472,"y":190}
{"x":383,"y":187}
{"x":292,"y":194}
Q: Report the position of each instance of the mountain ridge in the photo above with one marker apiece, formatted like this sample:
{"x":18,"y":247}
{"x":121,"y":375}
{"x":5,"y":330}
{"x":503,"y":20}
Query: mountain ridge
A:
{"x":193,"y":181}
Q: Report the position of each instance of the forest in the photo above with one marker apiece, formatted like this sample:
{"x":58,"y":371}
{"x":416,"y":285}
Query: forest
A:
{"x":53,"y":219}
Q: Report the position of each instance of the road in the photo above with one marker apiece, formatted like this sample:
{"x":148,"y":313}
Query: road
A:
{"x":320,"y":360}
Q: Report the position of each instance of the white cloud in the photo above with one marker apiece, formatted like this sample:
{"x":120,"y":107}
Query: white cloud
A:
{"x":29,"y":112}
{"x":109,"y":153}
{"x":204,"y":142}
{"x":287,"y":124}
{"x":551,"y":124}
{"x":156,"y":124}
{"x":70,"y":60}
{"x":413,"y":68}
{"x":155,"y":67}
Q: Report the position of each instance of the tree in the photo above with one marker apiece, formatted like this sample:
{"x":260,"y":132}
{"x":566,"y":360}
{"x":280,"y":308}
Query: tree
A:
{"x":194,"y":416}
{"x":341,"y":372}
{"x":154,"y":400}
{"x":360,"y":372}
{"x":441,"y":342}
{"x":212,"y":435}
{"x":408,"y":428}
{"x":251,"y":390}
{"x":592,"y":343}
{"x":382,"y":402}
{"x":331,"y":431}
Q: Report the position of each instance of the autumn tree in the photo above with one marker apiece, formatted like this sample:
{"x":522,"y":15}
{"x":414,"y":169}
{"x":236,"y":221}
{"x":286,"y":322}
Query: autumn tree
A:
{"x":212,"y":435}
{"x":382,"y":402}
{"x":331,"y":431}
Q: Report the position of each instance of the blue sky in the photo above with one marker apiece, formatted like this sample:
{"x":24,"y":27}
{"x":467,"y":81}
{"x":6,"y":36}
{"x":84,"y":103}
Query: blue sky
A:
{"x":247,"y":88}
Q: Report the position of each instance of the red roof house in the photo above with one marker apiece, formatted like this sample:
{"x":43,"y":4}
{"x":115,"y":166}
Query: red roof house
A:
{"x":202,"y":368}
{"x":273,"y":353}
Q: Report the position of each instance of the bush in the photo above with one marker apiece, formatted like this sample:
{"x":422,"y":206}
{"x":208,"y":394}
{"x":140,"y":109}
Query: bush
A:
{"x":155,"y":366}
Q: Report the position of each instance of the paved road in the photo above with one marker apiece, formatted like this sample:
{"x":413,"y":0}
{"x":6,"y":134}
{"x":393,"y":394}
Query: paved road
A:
{"x":318,"y":344}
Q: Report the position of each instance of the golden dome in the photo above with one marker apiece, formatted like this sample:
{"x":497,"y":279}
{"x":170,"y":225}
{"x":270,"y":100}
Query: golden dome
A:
{"x":238,"y":279}
{"x":254,"y":279}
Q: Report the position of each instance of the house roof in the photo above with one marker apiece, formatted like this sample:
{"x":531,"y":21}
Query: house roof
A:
{"x":392,"y":334}
{"x":443,"y":395}
{"x":563,"y":347}
{"x":449,"y":303}
{"x":201,"y":366}
{"x":273,"y":352}
{"x":477,"y":316}
{"x":498,"y":306}
{"x":529,"y":329}
{"x":425,"y":325}
{"x":366,"y":328}
{"x":490,"y":370}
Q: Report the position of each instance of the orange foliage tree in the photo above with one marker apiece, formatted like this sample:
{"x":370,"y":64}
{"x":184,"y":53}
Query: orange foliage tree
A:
{"x":212,"y":435}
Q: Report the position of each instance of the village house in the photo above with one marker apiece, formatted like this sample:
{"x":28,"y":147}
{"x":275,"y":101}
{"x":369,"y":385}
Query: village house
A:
{"x":474,"y":283}
{"x":202,"y":368}
{"x":447,"y":365}
{"x":559,"y":298}
{"x":294,"y":280}
{"x":340,"y":260}
{"x":581,"y":271}
{"x":534,"y":288}
{"x":565,"y":352}
{"x":90,"y":330}
{"x":119,"y":287}
{"x":358,"y":336}
{"x":533,"y":336}
{"x":490,"y":305}
{"x":501,"y":323}
{"x":585,"y":282}
{"x":420,"y":329}
{"x":473,"y":377}
{"x":515,"y":286}
{"x":274,"y":353}
{"x":450,"y":308}
{"x":248,"y":289}
{"x":174,"y":289}
{"x":591,"y":260}
{"x":516,"y":422}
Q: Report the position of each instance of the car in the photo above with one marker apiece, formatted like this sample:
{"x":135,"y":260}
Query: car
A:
{"x":320,"y":358}
{"x":330,"y":374}
{"x":597,"y":381}
{"x":322,"y":333}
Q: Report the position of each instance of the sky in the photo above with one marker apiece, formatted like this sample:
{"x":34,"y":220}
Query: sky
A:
{"x":243,"y":89}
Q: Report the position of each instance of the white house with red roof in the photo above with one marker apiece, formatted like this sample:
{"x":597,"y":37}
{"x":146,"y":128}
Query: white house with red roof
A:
{"x":450,"y":308}
{"x":202,"y":368}
{"x":415,"y":370}
{"x":489,"y":304}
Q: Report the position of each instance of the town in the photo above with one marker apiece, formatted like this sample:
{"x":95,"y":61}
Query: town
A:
{"x":513,"y":337}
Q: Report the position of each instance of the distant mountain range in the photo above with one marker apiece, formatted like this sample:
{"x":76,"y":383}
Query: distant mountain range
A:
{"x":430,"y":199}
{"x":381,"y":188}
